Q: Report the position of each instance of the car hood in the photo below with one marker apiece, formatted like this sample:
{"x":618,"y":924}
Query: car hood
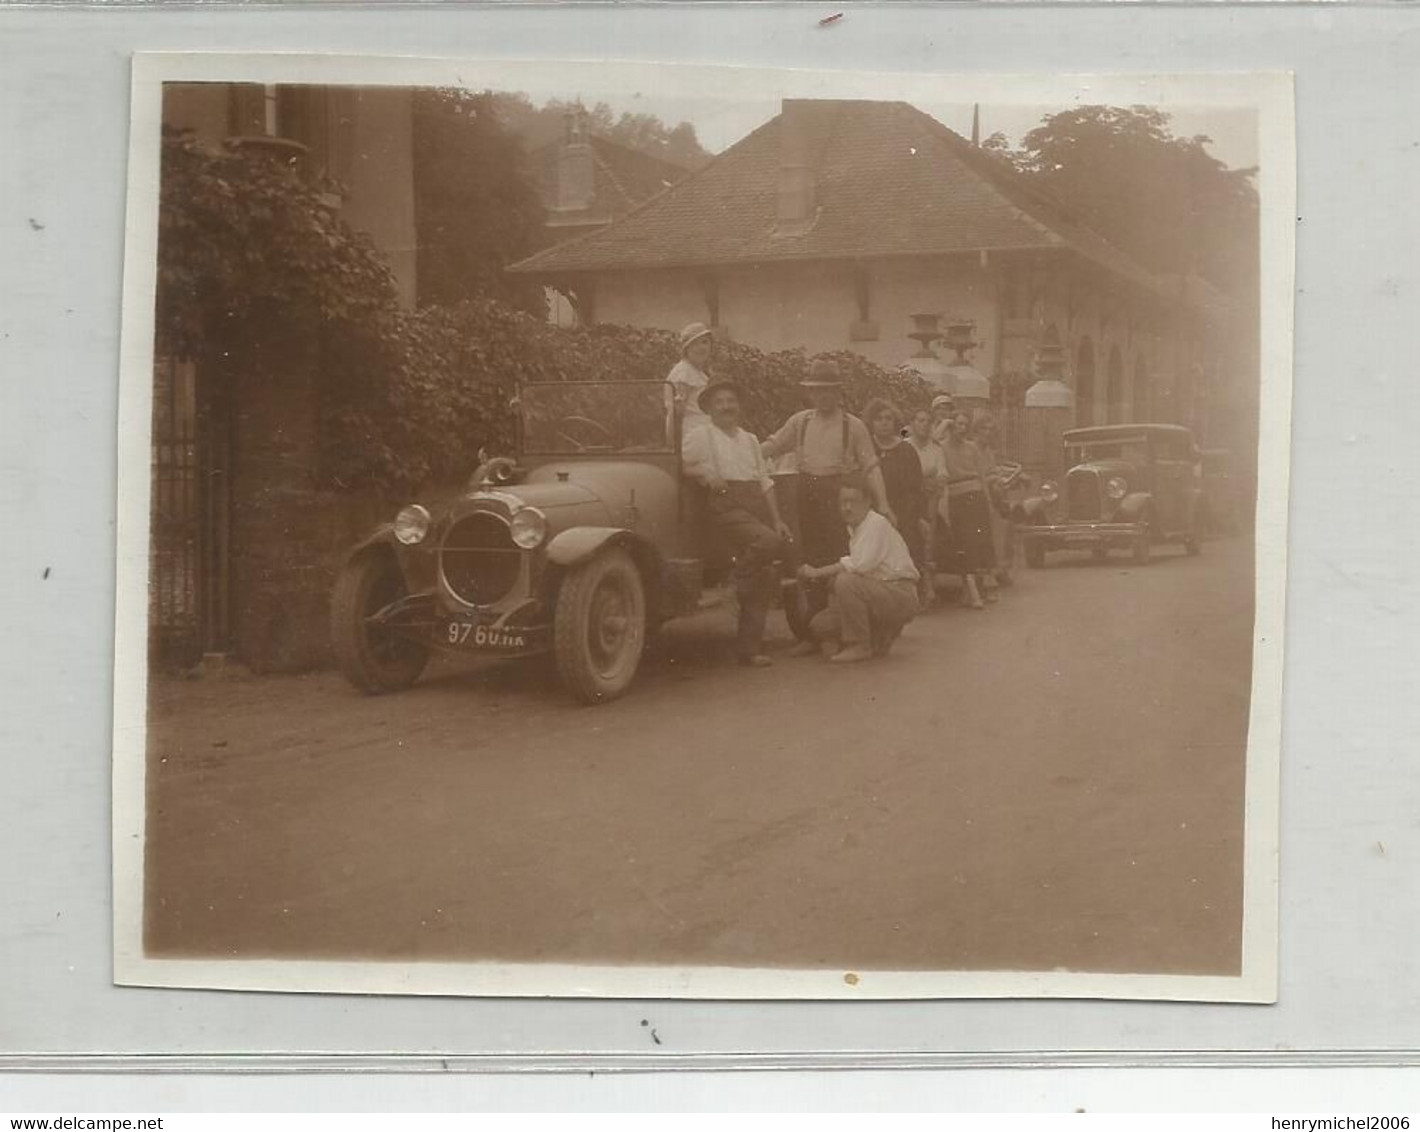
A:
{"x":564,"y":504}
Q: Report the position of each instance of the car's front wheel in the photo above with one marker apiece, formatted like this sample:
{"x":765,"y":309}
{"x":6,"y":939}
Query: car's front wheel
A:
{"x":375,"y":658}
{"x":599,"y":627}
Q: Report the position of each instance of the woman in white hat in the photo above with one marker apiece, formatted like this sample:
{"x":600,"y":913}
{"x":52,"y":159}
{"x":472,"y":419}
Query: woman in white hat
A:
{"x":688,"y":378}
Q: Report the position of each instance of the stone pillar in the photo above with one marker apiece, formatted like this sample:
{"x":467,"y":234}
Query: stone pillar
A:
{"x":1049,"y":411}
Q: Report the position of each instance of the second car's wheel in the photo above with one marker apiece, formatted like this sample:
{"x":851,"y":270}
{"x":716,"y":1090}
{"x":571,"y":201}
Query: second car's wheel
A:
{"x":1035,"y":555}
{"x":373,"y":657}
{"x":1143,"y":543}
{"x":1193,"y":541}
{"x":599,"y":628}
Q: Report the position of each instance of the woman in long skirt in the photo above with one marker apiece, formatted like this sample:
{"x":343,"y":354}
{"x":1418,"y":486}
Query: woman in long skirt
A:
{"x":969,"y":508}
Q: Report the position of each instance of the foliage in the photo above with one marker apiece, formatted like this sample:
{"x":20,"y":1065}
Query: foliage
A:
{"x":475,"y":209}
{"x":448,"y":390}
{"x":1164,"y":199}
{"x":246,"y":242}
{"x":643,"y":132}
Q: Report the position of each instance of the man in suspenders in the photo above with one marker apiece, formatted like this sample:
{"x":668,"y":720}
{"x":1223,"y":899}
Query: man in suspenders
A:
{"x":741,"y":509}
{"x":829,"y":444}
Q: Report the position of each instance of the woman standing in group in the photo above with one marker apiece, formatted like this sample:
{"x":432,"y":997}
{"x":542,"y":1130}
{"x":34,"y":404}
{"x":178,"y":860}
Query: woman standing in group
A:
{"x":934,"y":485}
{"x":902,"y":474}
{"x":969,"y":506}
{"x":983,"y":435}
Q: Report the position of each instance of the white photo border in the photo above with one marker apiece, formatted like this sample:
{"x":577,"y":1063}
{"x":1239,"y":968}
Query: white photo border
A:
{"x":1270,"y":93}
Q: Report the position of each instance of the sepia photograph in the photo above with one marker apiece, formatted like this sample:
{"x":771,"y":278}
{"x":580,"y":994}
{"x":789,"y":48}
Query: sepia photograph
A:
{"x":651,"y":531}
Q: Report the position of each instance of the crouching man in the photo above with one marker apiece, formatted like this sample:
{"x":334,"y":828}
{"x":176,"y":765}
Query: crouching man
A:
{"x":741,"y":509}
{"x":874,"y":584}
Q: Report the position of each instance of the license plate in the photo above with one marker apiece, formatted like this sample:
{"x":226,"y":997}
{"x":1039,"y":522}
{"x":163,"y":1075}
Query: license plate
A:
{"x":471,"y":635}
{"x":1081,"y":538}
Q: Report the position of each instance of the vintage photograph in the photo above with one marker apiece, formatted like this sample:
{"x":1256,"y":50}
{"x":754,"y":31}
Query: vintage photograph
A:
{"x":745,"y":539}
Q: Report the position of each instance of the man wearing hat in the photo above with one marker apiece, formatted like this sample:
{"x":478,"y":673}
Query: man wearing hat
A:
{"x":741,"y":509}
{"x":688,"y":377}
{"x":828,"y":444}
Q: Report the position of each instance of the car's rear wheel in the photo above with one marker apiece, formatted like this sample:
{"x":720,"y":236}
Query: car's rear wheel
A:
{"x":1193,"y":541}
{"x":599,"y":628}
{"x":796,"y":609}
{"x":1035,"y":555}
{"x":375,"y":658}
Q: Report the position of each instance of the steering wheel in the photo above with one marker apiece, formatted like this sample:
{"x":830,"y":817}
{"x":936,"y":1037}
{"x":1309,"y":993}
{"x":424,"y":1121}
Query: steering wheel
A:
{"x":583,"y":422}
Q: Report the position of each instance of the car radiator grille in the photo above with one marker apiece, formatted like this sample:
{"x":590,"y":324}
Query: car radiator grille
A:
{"x":480,"y":564}
{"x":1083,"y":486}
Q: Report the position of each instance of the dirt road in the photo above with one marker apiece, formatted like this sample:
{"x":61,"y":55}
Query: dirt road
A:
{"x":1054,"y":782}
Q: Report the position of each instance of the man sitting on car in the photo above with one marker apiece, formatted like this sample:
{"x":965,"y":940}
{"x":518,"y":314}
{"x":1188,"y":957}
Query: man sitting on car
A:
{"x":742,"y":510}
{"x":874,"y":584}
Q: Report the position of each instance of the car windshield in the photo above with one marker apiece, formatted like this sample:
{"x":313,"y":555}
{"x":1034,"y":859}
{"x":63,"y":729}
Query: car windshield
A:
{"x":1133,"y":449}
{"x":569,"y":418}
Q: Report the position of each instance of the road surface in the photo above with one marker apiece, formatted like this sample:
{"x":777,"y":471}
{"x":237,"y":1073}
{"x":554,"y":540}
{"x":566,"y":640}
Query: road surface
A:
{"x":1055,"y":782}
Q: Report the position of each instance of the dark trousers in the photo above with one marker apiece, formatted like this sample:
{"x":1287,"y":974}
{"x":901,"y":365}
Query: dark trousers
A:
{"x":823,"y":535}
{"x":739,"y":517}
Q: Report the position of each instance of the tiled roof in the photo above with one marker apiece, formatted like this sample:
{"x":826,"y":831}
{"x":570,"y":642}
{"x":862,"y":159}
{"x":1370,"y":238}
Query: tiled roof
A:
{"x":889,"y":180}
{"x":625,"y":177}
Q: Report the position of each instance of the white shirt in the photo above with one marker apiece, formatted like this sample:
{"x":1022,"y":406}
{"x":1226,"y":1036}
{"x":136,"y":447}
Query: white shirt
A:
{"x":876,"y":550}
{"x":709,"y":450}
{"x":683,"y":386}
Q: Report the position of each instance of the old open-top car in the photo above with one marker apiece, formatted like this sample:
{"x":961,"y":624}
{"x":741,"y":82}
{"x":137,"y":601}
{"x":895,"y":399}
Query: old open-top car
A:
{"x":580,"y":546}
{"x":1131,"y":486}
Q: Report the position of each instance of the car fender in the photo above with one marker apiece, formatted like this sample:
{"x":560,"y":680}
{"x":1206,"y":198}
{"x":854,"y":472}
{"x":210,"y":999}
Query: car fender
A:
{"x":383,"y":535}
{"x":1132,"y":506}
{"x":577,"y":544}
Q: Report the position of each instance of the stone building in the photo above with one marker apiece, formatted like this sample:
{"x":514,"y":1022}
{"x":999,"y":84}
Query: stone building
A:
{"x":835,"y":222}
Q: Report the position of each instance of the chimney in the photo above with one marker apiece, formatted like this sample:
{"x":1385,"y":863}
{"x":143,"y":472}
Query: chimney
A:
{"x":576,"y":170}
{"x":797,"y":205}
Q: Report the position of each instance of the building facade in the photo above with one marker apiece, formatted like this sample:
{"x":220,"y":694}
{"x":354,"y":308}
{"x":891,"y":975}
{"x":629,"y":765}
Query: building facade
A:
{"x":836,"y":222}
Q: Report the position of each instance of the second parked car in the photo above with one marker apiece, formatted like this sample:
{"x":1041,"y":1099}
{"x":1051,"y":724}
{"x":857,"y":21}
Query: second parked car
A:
{"x":1127,"y":487}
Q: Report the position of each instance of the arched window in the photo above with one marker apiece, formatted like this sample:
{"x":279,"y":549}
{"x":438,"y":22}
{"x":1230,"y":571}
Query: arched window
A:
{"x":1085,"y":383}
{"x":1114,"y":387}
{"x":1142,"y":409}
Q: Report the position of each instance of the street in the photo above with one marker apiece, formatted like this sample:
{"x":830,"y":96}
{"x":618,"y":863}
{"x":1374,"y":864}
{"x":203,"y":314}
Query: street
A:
{"x":1055,"y":782}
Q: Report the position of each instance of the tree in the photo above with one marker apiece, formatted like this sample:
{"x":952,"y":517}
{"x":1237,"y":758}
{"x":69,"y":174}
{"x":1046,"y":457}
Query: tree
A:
{"x":1164,"y":199}
{"x":645,"y":133}
{"x":475,"y":209}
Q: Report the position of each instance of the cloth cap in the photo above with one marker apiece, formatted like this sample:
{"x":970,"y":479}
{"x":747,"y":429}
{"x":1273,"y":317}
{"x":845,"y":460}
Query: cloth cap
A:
{"x":703,"y":400}
{"x":943,"y":399}
{"x":693,"y":333}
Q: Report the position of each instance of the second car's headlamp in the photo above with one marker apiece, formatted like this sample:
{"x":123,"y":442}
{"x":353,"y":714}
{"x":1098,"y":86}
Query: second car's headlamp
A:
{"x":411,"y":524}
{"x":528,"y":528}
{"x":1116,"y":487}
{"x":1049,"y":492}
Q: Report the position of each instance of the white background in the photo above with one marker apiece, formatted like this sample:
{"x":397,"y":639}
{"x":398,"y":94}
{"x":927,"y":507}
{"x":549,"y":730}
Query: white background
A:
{"x":1351,"y":794}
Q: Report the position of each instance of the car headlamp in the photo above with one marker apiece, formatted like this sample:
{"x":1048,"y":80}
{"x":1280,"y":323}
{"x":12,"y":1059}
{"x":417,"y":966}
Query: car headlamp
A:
{"x":528,"y":528}
{"x":411,"y":524}
{"x":1116,"y":487}
{"x":1049,"y":492}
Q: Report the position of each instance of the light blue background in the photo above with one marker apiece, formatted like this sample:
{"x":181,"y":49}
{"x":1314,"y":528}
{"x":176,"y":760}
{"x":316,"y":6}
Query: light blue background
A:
{"x":1350,"y":912}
